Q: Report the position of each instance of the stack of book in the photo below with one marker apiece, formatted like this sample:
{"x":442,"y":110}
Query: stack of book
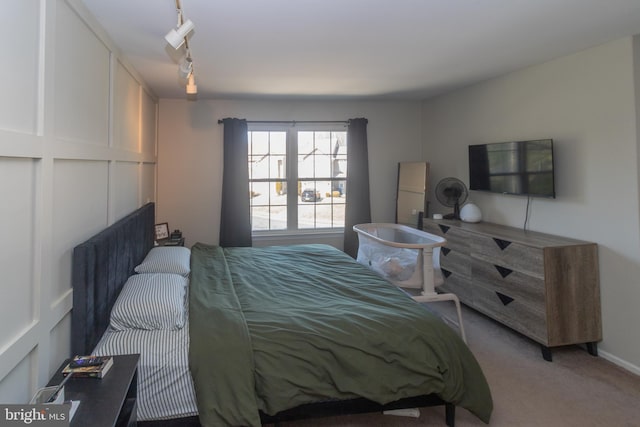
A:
{"x":88,"y":366}
{"x":175,"y":239}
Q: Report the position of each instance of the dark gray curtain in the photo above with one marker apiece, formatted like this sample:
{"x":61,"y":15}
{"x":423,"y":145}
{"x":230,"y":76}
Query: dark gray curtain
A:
{"x":235,"y":219}
{"x":358,"y":208}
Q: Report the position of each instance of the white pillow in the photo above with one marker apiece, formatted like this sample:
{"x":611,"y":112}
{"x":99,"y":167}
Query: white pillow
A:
{"x":151,"y":301}
{"x":163,"y":259}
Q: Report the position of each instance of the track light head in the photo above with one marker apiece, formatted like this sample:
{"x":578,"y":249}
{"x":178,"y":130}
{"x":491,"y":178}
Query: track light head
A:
{"x":186,"y":68}
{"x":192,"y":88}
{"x":176,"y":36}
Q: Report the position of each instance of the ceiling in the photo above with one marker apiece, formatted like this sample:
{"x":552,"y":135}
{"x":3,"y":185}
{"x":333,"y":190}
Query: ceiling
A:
{"x":354,"y":49}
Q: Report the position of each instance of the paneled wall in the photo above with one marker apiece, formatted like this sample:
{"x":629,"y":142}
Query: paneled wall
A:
{"x":77,"y":152}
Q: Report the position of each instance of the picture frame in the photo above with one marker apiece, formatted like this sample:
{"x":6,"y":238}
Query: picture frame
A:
{"x":162,"y":231}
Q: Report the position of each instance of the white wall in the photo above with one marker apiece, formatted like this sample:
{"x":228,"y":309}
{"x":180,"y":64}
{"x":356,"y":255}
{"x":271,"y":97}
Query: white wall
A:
{"x":68,"y":168}
{"x":190,"y":154}
{"x":586,"y":102}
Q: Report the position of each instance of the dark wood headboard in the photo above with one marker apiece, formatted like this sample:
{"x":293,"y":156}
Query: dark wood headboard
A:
{"x":101,"y":266}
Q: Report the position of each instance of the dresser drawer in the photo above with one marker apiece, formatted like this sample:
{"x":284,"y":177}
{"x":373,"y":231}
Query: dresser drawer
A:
{"x":513,"y":312}
{"x":455,"y":261}
{"x":455,"y":237}
{"x":510,"y":282}
{"x":432,"y":227}
{"x":515,"y":256}
{"x":457,"y":284}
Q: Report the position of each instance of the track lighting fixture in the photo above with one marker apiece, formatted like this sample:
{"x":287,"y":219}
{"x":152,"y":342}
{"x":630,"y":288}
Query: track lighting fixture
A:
{"x":192,"y":88}
{"x":177,"y":37}
{"x":186,"y":68}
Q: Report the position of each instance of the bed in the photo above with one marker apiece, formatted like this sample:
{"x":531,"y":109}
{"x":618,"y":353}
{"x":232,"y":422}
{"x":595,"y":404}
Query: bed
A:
{"x":261,"y":354}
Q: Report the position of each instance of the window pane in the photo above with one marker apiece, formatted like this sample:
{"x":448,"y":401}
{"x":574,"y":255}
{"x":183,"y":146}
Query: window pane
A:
{"x":260,"y":218}
{"x":305,"y":166}
{"x":278,"y":143}
{"x":277,"y":167}
{"x":340,"y":145}
{"x":338,"y":214}
{"x":324,"y":188}
{"x":259,"y":193}
{"x":323,"y":142}
{"x":322,"y":165}
{"x":306,"y":151}
{"x":338,"y":188}
{"x":306,"y":216}
{"x":260,"y":205}
{"x":258,"y":143}
{"x":339,"y":168}
{"x":323,"y":215}
{"x":278,"y":217}
{"x":259,"y":167}
{"x":305,"y":143}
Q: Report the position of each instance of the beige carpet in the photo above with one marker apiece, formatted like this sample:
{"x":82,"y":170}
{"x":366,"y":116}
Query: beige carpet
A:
{"x":576,"y":389}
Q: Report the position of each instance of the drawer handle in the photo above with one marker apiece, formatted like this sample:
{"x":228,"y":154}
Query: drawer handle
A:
{"x":444,"y":228}
{"x":445,"y":251}
{"x":504,"y":272}
{"x":502,"y":244}
{"x":445,"y":273}
{"x":506,"y":300}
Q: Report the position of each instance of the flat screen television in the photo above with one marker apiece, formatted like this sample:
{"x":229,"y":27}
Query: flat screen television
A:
{"x":518,"y":167}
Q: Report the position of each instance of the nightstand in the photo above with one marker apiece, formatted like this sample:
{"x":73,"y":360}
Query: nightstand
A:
{"x":170,"y":242}
{"x":106,"y":402}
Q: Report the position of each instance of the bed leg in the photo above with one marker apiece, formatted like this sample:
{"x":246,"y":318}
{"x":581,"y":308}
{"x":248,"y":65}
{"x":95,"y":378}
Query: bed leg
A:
{"x":450,"y":414}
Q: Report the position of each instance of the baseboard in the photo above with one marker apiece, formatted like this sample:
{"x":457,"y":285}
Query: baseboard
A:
{"x":620,"y":362}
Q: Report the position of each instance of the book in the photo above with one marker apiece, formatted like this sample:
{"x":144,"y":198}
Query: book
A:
{"x":99,"y":367}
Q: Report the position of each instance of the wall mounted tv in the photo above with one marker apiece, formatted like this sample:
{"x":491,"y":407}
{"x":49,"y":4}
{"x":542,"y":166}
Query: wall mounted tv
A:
{"x":519,"y":167}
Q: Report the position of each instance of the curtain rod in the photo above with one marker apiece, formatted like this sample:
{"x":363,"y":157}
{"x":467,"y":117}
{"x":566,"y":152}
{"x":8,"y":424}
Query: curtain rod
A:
{"x":294,"y":122}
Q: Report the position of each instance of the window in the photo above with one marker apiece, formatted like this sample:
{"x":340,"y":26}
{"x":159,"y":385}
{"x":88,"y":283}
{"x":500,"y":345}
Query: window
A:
{"x":297,"y":178}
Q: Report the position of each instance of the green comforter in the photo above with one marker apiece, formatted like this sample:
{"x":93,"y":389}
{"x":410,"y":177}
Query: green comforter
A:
{"x":274,"y":328}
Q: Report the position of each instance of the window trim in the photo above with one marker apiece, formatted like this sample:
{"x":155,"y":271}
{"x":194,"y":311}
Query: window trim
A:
{"x":291,"y":129}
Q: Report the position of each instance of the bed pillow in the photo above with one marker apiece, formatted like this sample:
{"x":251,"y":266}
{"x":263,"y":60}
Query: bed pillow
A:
{"x":163,"y":259}
{"x":151,"y":302}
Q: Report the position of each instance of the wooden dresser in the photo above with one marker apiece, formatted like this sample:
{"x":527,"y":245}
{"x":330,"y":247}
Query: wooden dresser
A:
{"x":543,"y":286}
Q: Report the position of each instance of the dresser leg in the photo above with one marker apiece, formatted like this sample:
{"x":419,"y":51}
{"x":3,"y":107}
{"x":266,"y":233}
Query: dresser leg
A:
{"x":592,"y":348}
{"x":546,"y":353}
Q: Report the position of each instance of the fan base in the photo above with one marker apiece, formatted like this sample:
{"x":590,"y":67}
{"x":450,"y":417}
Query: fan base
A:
{"x":456,"y":212}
